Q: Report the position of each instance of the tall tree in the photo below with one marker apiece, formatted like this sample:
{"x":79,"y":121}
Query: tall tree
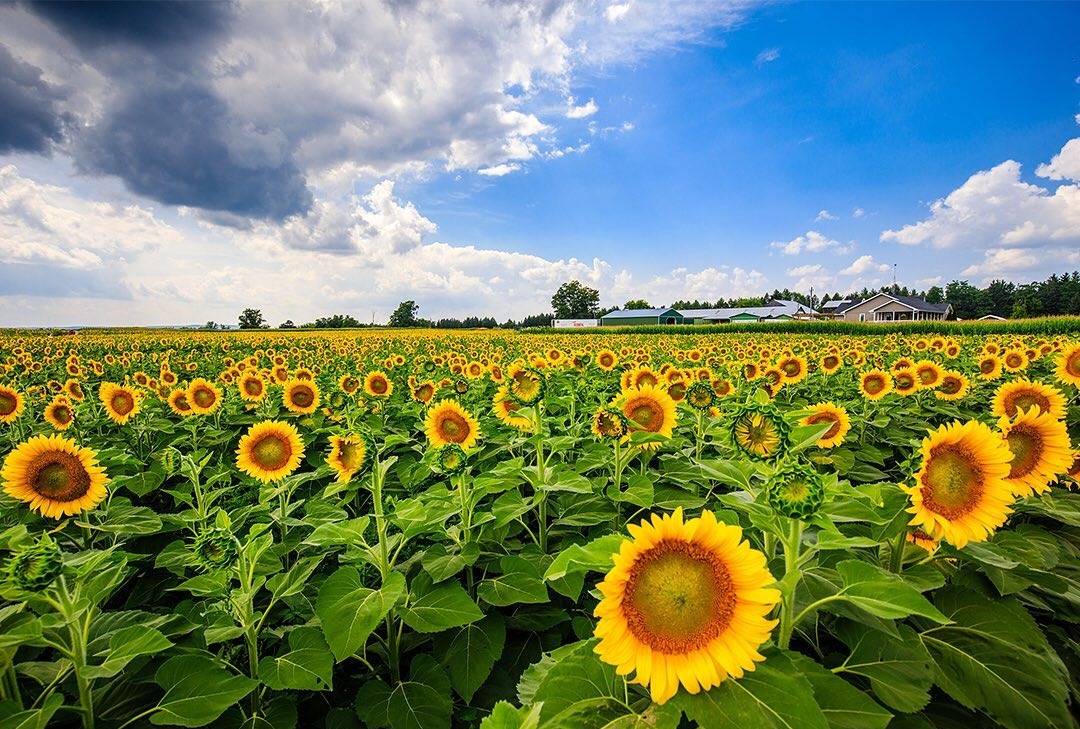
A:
{"x":639,"y":304}
{"x":405,"y":314}
{"x":934,"y":295}
{"x":252,"y":319}
{"x":575,"y":301}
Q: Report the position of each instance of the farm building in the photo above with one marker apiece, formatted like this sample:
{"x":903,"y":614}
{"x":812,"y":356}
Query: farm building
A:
{"x":893,"y":307}
{"x":774,"y":310}
{"x":641,"y":317}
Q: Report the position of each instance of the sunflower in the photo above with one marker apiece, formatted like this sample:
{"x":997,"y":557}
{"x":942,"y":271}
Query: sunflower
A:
{"x":906,"y":382}
{"x":377,"y":384}
{"x":73,"y":389}
{"x":179,"y":404}
{"x":447,"y":422}
{"x":642,"y":376}
{"x":1024,"y":394}
{"x":12,"y":404}
{"x":423,"y":392}
{"x":989,"y":367}
{"x":526,"y":384}
{"x":827,"y":412}
{"x":1015,"y":360}
{"x":701,"y":395}
{"x":55,"y":476}
{"x":954,"y":386}
{"x":506,"y":409}
{"x":348,"y":384}
{"x":203,"y":396}
{"x":1068,"y":366}
{"x":830,"y":363}
{"x":121,"y":403}
{"x":452,"y":459}
{"x":875,"y":384}
{"x":347,"y":455}
{"x":760,"y":432}
{"x":301,"y":396}
{"x":794,"y":368}
{"x":1040,"y":448}
{"x":929,"y":374}
{"x":609,"y":423}
{"x":960,"y":492}
{"x":648,"y":409}
{"x":796,"y":490}
{"x":685,"y":603}
{"x":270,"y":450}
{"x":252,"y":387}
{"x":59,"y":414}
{"x":606,"y":360}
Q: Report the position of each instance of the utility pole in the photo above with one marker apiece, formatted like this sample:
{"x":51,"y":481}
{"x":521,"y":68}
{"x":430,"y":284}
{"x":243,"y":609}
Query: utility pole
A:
{"x":894,"y":278}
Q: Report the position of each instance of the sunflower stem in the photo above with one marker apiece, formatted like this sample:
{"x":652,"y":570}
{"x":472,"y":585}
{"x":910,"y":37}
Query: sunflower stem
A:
{"x":385,"y":563}
{"x":896,"y":563}
{"x":541,"y":463}
{"x":791,"y":544}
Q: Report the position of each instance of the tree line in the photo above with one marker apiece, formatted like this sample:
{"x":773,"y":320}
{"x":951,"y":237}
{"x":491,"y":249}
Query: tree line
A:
{"x":1058,"y":295}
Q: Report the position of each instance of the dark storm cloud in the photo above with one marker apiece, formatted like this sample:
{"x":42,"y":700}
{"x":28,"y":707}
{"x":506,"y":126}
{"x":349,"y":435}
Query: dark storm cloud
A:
{"x":30,"y":120}
{"x":36,"y":279}
{"x":156,"y":27}
{"x":181,"y":146}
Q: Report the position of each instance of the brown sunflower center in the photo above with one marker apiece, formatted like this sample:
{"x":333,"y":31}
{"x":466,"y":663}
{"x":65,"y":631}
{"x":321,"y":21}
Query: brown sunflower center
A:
{"x":791,"y":367}
{"x":819,"y":418}
{"x":122,"y":403}
{"x":253,"y":386}
{"x":679,"y":597}
{"x":204,"y":397}
{"x":1072,"y":364}
{"x":454,"y":428}
{"x":645,"y":413}
{"x":59,"y":476}
{"x":378,"y":385}
{"x":1014,"y":360}
{"x":62,"y":414}
{"x":831,"y":362}
{"x":606,"y":360}
{"x":609,"y":425}
{"x":303,"y":397}
{"x":874,"y":385}
{"x":8,"y":403}
{"x":645,"y":378}
{"x":928,"y":375}
{"x":952,"y":484}
{"x":951,"y":385}
{"x":1027,"y":449}
{"x":271,"y":453}
{"x":987,"y":366}
{"x":181,"y":403}
{"x":1025,"y":400}
{"x":424,"y":393}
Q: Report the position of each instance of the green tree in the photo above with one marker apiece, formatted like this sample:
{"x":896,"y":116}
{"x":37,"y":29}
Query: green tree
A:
{"x":287,"y":324}
{"x":935,"y":295}
{"x":575,"y":301}
{"x":405,"y":314}
{"x":252,"y":319}
{"x":638,"y":304}
{"x":210,"y":325}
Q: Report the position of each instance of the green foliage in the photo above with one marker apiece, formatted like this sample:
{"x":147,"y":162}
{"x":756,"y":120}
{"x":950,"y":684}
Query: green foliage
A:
{"x":574,"y":300}
{"x":252,"y":319}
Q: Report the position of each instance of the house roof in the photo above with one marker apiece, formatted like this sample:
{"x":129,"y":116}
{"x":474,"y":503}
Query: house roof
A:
{"x":774,"y":309}
{"x":847,"y":304}
{"x":920,"y":304}
{"x":634,"y":313}
{"x":834,"y":304}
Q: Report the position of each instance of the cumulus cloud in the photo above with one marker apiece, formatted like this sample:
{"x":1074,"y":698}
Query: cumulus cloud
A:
{"x":995,"y":208}
{"x":32,"y":120}
{"x":864,"y":264}
{"x":858,"y":213}
{"x":616,"y":11}
{"x":500,"y":170}
{"x":48,"y":224}
{"x":580,"y":112}
{"x":812,"y":242}
{"x":682,"y":283}
{"x":810,"y":275}
{"x":825,"y":215}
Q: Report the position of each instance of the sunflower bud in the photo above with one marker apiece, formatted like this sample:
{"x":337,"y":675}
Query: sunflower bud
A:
{"x":795,"y":490}
{"x":451,"y":459}
{"x":216,"y":548}
{"x":760,"y":431}
{"x":701,"y":396}
{"x":35,"y":567}
{"x":609,"y":424}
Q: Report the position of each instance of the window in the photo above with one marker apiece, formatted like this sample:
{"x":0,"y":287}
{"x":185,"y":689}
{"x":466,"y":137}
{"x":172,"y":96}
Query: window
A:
{"x":862,"y":317}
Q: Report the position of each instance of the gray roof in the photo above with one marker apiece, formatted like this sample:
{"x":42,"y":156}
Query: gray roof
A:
{"x":920,"y":304}
{"x":847,"y":304}
{"x":628,"y":313}
{"x":834,"y":304}
{"x":773,"y":310}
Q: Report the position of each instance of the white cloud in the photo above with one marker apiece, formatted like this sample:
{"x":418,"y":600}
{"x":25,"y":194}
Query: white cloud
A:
{"x":864,"y":264}
{"x":812,"y":242}
{"x":996,"y":209}
{"x":1077,"y":118}
{"x":1015,"y":262}
{"x":767,"y":56}
{"x":811,"y":275}
{"x":825,"y":215}
{"x":1065,"y":165}
{"x":930,"y":281}
{"x":49,"y":224}
{"x":858,"y":213}
{"x":580,"y":112}
{"x":501,"y":170}
{"x":615,"y":12}
{"x":681,"y":283}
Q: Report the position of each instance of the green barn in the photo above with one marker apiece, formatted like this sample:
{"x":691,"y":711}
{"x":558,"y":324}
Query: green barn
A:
{"x":642,"y":317}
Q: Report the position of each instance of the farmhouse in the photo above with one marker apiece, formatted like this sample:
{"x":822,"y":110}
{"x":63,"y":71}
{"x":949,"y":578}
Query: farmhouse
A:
{"x":640,"y":317}
{"x":893,"y":307}
{"x":774,"y":310}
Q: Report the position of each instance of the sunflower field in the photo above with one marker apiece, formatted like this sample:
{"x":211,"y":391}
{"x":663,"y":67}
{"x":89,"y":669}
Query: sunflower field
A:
{"x":419,"y":530}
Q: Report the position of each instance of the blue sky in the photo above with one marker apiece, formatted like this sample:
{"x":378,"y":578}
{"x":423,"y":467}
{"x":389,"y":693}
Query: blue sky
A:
{"x":170,"y":168}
